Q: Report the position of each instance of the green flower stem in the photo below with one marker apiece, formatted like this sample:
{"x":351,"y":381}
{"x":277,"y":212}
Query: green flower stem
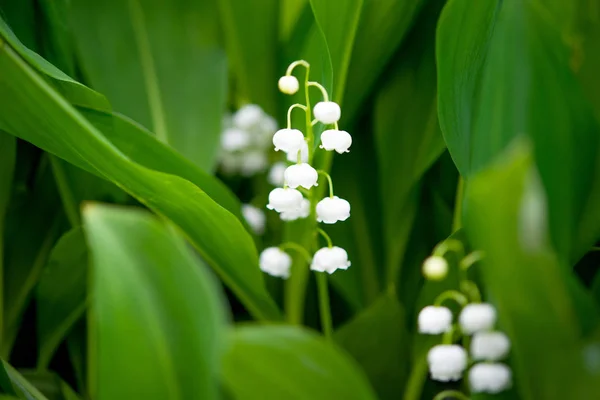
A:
{"x":416,"y":380}
{"x":295,"y":246}
{"x":449,"y":245}
{"x":321,"y":88}
{"x":326,"y":236}
{"x":293,"y":65}
{"x":455,"y":295}
{"x":324,"y":309}
{"x":451,"y":393}
{"x":471,"y":259}
{"x":329,"y":181}
{"x":289,"y":113}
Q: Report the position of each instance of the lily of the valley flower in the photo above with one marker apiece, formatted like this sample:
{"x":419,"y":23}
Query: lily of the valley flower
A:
{"x":248,"y":117}
{"x":330,"y":259}
{"x":292,"y":156}
{"x":327,"y":112}
{"x":489,"y":346}
{"x":285,"y":200}
{"x":332,"y":209}
{"x":302,"y":212}
{"x":288,"y":140}
{"x":301,"y":175}
{"x":477,"y":317}
{"x":435,"y":268}
{"x":288,"y":84}
{"x":333,"y":139}
{"x":255,"y":218}
{"x":234,"y":139}
{"x":252,"y":162}
{"x":276,"y":175}
{"x":275,"y":262}
{"x":447,"y":362}
{"x":489,"y":378}
{"x":435,"y":320}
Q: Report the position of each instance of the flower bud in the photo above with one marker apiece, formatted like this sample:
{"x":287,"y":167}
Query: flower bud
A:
{"x":275,"y":262}
{"x":302,"y":212}
{"x":301,"y":175}
{"x":327,"y":112}
{"x":435,"y":320}
{"x":330,"y":259}
{"x":288,"y":84}
{"x":332,"y":209}
{"x":489,"y":346}
{"x":435,"y":268}
{"x":282,"y":200}
{"x":447,"y":362}
{"x":234,"y":139}
{"x":333,"y":139}
{"x":255,"y":218}
{"x":477,"y":317}
{"x":288,"y":140}
{"x":248,"y":116}
{"x":490,"y":378}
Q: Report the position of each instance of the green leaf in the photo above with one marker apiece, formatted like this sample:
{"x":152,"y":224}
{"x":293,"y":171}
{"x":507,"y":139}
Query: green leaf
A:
{"x":61,"y":293}
{"x":509,"y":73}
{"x":21,"y":17}
{"x":8,"y":154}
{"x":285,"y":362}
{"x":169,"y":74}
{"x":18,"y":384}
{"x":539,"y":301}
{"x":50,"y":384}
{"x":35,"y":112}
{"x":57,"y":40}
{"x":157,"y":316}
{"x":250,"y":30}
{"x":377,"y":339}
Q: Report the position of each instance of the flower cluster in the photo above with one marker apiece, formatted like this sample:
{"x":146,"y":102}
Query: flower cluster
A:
{"x":245,"y":141}
{"x":488,"y":346}
{"x":296,"y":197}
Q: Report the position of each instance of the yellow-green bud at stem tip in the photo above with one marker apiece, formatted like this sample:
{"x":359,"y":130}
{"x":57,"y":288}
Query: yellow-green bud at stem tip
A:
{"x":435,"y":268}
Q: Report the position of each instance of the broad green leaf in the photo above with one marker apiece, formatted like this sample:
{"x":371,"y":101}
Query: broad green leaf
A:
{"x":158,"y":62}
{"x":378,"y":341}
{"x":250,"y":29}
{"x":50,"y":385}
{"x":18,"y":384}
{"x":386,"y":23}
{"x":8,"y":154}
{"x":38,"y":114}
{"x":407,"y":135}
{"x":157,"y":316}
{"x":57,"y":40}
{"x":538,"y":300}
{"x":76,"y":344}
{"x":21,"y":17}
{"x":509,"y":73}
{"x":61,"y":293}
{"x":285,"y":362}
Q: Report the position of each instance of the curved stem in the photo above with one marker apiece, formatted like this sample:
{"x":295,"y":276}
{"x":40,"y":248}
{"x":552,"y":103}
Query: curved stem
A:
{"x":455,"y":295}
{"x":326,"y":236}
{"x":324,"y":309}
{"x":448,"y":337}
{"x":471,"y":259}
{"x":298,"y":248}
{"x":295,"y":64}
{"x":321,"y":88}
{"x":449,"y":245}
{"x":336,"y":126}
{"x":289,"y":113}
{"x":329,"y":181}
{"x":471,"y":289}
{"x":451,"y":393}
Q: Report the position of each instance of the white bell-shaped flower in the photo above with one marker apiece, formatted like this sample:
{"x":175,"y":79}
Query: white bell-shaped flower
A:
{"x":230,"y":163}
{"x":490,"y":378}
{"x":332,"y":209}
{"x":435,"y":320}
{"x":292,"y":156}
{"x":284,"y":200}
{"x":248,"y":116}
{"x":447,"y":362}
{"x":477,"y":317}
{"x":253,"y":162}
{"x":288,"y":140}
{"x":275,"y":262}
{"x":288,"y":84}
{"x":435,"y":268}
{"x":276,"y":175}
{"x":333,"y":139}
{"x":302,"y":212}
{"x":301,"y":175}
{"x":489,"y":346}
{"x":327,"y":112}
{"x":330,"y":259}
{"x":234,"y":139}
{"x":255,"y":218}
{"x":262,"y":134}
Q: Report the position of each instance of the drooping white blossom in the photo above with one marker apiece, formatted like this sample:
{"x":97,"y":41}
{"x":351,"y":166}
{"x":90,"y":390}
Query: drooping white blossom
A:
{"x":276,"y":175}
{"x":435,"y":268}
{"x":477,"y":317}
{"x":288,"y":84}
{"x":435,"y":320}
{"x":489,"y":346}
{"x":234,"y":139}
{"x":275,"y":262}
{"x":490,"y":378}
{"x":302,"y":212}
{"x":333,"y":139}
{"x":327,"y":112}
{"x":301,"y":175}
{"x":447,"y":362}
{"x":248,"y":116}
{"x":252,"y":162}
{"x":288,"y":140}
{"x":285,"y":200}
{"x":332,"y":209}
{"x":255,"y":218}
{"x":330,"y":259}
{"x":292,"y":156}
